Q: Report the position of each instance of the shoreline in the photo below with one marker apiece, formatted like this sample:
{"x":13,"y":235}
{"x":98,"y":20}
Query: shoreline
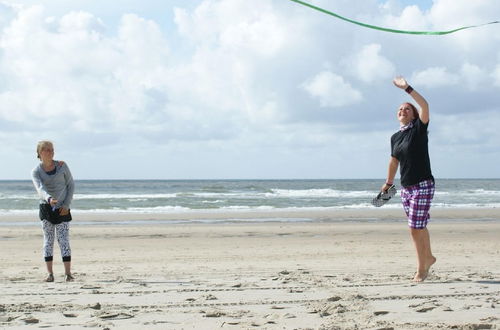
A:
{"x":275,"y":215}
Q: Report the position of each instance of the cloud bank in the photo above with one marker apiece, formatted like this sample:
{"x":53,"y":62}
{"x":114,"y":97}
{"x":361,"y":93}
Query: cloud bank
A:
{"x":231,"y":88}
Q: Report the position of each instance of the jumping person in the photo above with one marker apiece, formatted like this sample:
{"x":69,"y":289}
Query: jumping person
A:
{"x":409,"y":152}
{"x":53,"y":182}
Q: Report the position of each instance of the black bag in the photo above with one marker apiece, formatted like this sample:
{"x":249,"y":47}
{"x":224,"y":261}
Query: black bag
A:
{"x":53,"y":216}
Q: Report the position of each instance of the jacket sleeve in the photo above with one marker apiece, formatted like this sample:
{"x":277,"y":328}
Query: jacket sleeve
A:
{"x":70,"y":187}
{"x":39,"y":186}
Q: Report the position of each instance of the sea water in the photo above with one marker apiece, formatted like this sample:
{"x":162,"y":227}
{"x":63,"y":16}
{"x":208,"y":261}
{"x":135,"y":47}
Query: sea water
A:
{"x":174,"y":196}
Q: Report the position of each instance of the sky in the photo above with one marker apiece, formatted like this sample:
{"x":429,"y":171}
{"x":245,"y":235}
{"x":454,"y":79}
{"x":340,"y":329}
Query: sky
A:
{"x":238,"y":89}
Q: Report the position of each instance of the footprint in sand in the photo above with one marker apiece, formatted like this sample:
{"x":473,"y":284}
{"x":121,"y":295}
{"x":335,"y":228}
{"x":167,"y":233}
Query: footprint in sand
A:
{"x":96,"y":306}
{"x":31,"y":320}
{"x":425,"y":309}
{"x":277,"y":307}
{"x":115,"y":316}
{"x":230,"y":323}
{"x":332,"y":309}
{"x":7,"y":319}
{"x":17,"y":279}
{"x":334,"y":298}
{"x":425,"y":306}
{"x":377,"y":313}
{"x":214,"y":314}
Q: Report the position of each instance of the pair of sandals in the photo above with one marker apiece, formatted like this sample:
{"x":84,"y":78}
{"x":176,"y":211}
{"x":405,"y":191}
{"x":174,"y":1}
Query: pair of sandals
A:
{"x":67,"y":278}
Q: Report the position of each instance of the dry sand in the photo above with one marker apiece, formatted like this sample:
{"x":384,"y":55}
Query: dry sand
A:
{"x":305,"y":275}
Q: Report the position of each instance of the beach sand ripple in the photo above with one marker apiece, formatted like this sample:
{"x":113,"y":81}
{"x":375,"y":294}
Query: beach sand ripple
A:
{"x":241,"y":276}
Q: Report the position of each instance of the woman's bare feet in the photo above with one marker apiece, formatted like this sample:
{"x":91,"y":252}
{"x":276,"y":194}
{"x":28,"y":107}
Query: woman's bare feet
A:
{"x":422,"y":274}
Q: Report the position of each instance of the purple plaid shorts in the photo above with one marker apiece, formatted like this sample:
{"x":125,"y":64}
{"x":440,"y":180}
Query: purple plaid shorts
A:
{"x":417,"y":203}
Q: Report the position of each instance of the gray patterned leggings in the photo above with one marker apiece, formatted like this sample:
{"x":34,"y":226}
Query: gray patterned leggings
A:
{"x":49,"y":232}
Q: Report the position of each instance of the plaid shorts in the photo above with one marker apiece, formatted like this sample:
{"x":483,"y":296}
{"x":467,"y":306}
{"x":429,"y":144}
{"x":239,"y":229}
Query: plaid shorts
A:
{"x":417,"y":203}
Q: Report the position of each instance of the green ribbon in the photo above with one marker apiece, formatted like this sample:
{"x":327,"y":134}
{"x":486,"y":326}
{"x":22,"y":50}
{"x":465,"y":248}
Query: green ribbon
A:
{"x":386,"y":29}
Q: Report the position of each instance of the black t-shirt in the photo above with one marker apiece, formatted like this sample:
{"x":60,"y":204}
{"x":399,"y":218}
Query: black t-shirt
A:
{"x":410,"y":148}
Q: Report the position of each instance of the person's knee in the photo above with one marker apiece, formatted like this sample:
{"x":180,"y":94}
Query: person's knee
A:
{"x":416,"y":232}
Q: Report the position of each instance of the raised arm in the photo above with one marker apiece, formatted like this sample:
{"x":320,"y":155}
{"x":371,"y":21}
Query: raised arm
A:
{"x":422,"y":103}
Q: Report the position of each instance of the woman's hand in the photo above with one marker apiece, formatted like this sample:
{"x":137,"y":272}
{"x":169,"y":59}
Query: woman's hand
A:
{"x":385,"y":187}
{"x":400,"y":82}
{"x":63,"y":211}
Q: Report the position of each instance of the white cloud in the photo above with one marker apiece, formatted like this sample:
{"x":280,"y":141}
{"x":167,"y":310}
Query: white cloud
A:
{"x":444,"y":15}
{"x":435,"y":77}
{"x":411,"y":18}
{"x":369,"y":66}
{"x":475,"y":130}
{"x":473,"y":75}
{"x":68,"y":70}
{"x":235,"y":26}
{"x":469,"y":75}
{"x":331,"y":90}
{"x":79,"y":22}
{"x":235,"y":75}
{"x":496,"y":75}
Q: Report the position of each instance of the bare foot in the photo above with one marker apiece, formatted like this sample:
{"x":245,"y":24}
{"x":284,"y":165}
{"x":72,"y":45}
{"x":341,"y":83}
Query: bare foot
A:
{"x":422,"y":274}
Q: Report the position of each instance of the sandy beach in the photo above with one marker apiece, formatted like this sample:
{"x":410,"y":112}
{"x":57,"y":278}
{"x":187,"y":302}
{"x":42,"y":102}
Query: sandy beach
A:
{"x":255,"y":275}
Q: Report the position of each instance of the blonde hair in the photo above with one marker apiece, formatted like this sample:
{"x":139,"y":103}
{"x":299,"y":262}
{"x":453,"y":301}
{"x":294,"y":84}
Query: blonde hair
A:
{"x":41,"y":145}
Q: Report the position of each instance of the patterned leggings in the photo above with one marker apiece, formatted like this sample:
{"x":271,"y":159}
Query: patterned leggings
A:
{"x":49,"y":232}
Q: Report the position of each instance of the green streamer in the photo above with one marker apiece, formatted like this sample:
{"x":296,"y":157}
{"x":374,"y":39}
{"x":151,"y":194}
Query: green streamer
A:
{"x":386,"y":29}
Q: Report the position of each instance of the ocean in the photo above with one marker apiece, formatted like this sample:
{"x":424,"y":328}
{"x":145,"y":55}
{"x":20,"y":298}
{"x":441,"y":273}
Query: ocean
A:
{"x":174,"y":196}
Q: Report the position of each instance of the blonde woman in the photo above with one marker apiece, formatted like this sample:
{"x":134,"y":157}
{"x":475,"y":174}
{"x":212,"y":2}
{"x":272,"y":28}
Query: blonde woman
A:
{"x":54,"y":184}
